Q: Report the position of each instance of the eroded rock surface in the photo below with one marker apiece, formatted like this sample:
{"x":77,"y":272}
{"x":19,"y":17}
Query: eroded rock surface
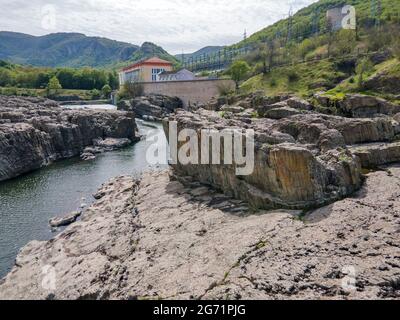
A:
{"x":300,"y":161}
{"x":35,"y":132}
{"x":156,"y":239}
{"x":152,"y":107}
{"x":303,"y":158}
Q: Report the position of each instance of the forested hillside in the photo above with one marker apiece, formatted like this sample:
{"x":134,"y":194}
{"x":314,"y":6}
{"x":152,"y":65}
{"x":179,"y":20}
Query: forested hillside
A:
{"x":73,"y":50}
{"x":305,"y":54}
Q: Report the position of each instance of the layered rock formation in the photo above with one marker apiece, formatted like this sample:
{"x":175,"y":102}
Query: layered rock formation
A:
{"x":156,"y":239}
{"x":303,"y":158}
{"x":358,"y":106}
{"x":300,"y":162}
{"x":35,"y":132}
{"x":151,"y":107}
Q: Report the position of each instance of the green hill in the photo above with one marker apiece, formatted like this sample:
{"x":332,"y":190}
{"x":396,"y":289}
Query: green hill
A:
{"x":317,"y":58}
{"x":307,"y":20}
{"x":73,"y":50}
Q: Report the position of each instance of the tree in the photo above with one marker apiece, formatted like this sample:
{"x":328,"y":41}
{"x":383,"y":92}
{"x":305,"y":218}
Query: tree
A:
{"x":329,"y":28}
{"x":5,"y":77}
{"x":263,"y":56}
{"x":106,"y":91}
{"x":363,"y":66}
{"x":395,"y":46}
{"x":396,"y":50}
{"x":304,"y":48}
{"x":53,"y":87}
{"x":271,"y":54}
{"x":66,"y":78}
{"x":113,"y":80}
{"x":95,"y":94}
{"x":42,"y":80}
{"x":132,"y":89}
{"x":238,"y":71}
{"x":345,"y":42}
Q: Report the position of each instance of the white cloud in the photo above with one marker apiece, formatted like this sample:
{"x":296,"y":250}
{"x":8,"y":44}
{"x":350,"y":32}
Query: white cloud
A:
{"x":176,"y":25}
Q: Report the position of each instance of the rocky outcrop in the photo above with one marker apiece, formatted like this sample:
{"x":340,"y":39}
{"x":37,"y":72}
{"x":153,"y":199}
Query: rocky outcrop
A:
{"x":35,"y":132}
{"x":64,"y":221}
{"x":362,"y":106}
{"x":374,"y":155}
{"x":383,"y":82}
{"x":302,"y":158}
{"x":300,"y":161}
{"x":357,"y":105}
{"x":104,"y":145}
{"x":152,"y":107}
{"x":157,"y":239}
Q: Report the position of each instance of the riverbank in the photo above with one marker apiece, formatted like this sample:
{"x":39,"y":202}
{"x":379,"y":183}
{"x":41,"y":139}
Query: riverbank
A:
{"x":157,"y":239}
{"x":28,"y":202}
{"x":35,"y":132}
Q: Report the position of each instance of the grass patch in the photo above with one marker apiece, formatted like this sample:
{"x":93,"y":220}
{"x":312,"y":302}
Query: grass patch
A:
{"x":302,"y":79}
{"x":307,"y":78}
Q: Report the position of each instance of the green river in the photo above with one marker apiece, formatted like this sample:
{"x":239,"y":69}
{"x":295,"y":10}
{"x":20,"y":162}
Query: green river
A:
{"x":28,"y":202}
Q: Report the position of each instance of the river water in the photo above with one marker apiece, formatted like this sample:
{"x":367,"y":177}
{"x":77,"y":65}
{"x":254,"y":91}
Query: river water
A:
{"x":28,"y":202}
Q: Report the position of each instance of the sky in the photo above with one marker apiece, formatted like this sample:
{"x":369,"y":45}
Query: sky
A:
{"x":176,"y":25}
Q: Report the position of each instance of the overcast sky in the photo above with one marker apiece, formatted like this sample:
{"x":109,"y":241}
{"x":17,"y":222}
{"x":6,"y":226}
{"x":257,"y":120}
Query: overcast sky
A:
{"x":176,"y":25}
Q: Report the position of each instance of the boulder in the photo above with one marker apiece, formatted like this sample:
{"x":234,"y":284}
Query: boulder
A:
{"x":375,"y":155}
{"x":65,"y":221}
{"x":155,"y":106}
{"x":297,"y":163}
{"x":322,"y":99}
{"x":363,"y":106}
{"x":232,"y":109}
{"x":88,"y":156}
{"x":301,"y":104}
{"x":110,"y":144}
{"x":124,"y":105}
{"x":280,"y":113}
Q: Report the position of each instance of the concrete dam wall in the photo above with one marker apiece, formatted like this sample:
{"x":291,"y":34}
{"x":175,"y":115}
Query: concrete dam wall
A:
{"x":190,"y":92}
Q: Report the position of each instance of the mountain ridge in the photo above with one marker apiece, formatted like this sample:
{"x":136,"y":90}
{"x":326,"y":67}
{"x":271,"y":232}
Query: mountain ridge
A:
{"x":200,"y":52}
{"x":75,"y":50}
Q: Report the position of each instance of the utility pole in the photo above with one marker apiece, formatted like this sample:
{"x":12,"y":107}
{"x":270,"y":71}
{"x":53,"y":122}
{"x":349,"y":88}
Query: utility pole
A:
{"x":245,"y":35}
{"x":376,"y":11}
{"x":290,"y":25}
{"x":316,"y":21}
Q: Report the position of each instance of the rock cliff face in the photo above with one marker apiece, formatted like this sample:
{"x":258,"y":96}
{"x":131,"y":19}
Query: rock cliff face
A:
{"x":152,"y":107}
{"x":357,"y":106}
{"x":303,"y":158}
{"x":300,"y":161}
{"x":35,"y":132}
{"x":156,"y":239}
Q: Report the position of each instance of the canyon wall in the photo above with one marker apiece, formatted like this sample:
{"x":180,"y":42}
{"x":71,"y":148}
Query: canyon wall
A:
{"x":36,"y":132}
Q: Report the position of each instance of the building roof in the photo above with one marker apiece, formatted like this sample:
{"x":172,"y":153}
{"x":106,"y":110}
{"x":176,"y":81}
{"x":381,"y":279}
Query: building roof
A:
{"x":155,"y":61}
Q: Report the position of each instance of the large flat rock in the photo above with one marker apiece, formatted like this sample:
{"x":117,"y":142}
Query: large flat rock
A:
{"x":156,"y":239}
